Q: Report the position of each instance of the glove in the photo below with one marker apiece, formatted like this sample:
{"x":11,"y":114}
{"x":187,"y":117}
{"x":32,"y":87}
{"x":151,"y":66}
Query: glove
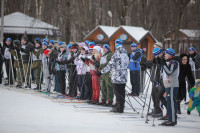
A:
{"x":163,"y":62}
{"x":86,"y":59}
{"x":98,"y":73}
{"x":96,"y":64}
{"x":158,"y":60}
{"x":82,"y":59}
{"x":21,"y":49}
{"x":154,"y":60}
{"x":31,"y":49}
{"x":93,"y":57}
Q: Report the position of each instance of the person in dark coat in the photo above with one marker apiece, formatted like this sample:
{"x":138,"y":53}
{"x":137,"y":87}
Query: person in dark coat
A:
{"x":185,"y":71}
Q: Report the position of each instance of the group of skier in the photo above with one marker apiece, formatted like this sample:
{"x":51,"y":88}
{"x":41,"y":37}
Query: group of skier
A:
{"x":92,"y":69}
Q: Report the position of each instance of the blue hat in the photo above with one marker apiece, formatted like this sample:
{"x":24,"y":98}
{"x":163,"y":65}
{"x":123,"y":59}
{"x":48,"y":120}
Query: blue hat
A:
{"x":170,"y":51}
{"x":91,"y":44}
{"x":45,"y":43}
{"x":119,"y":41}
{"x":156,"y":51}
{"x":52,"y":41}
{"x":106,"y":46}
{"x":133,"y":45}
{"x":45,"y":40}
{"x":69,"y":46}
{"x":191,"y":49}
{"x":87,"y":42}
{"x":38,"y":39}
{"x":9,"y":39}
{"x":60,"y":43}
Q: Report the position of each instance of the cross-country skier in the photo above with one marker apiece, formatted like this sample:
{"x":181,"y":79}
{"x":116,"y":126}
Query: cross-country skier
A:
{"x":118,"y":67}
{"x":171,"y":83}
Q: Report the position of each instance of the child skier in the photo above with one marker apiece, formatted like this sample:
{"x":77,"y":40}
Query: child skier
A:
{"x":171,"y":83}
{"x":194,"y":98}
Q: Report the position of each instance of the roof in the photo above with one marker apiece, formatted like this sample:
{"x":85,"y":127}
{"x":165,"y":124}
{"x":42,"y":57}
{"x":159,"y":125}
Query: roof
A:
{"x":20,"y":23}
{"x":107,"y":30}
{"x":191,"y":33}
{"x":137,"y":33}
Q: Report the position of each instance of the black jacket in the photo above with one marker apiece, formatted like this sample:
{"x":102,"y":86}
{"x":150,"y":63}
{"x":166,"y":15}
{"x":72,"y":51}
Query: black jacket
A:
{"x":185,"y":71}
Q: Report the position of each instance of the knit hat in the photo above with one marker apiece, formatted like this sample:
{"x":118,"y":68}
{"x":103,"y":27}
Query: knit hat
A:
{"x":191,"y":49}
{"x":87,"y":42}
{"x":9,"y":39}
{"x":45,"y":43}
{"x":16,"y":42}
{"x":170,"y":51}
{"x":46,"y":52}
{"x":133,"y":45}
{"x":64,"y":46}
{"x":25,"y":38}
{"x":60,"y":43}
{"x":75,"y":46}
{"x":91,"y":44}
{"x":69,"y":46}
{"x":38,"y":39}
{"x":156,"y":51}
{"x":97,"y":48}
{"x":119,"y":43}
{"x":52,"y":41}
{"x":106,"y":46}
{"x":91,"y":48}
{"x":158,"y":44}
{"x":45,"y":40}
{"x":85,"y":48}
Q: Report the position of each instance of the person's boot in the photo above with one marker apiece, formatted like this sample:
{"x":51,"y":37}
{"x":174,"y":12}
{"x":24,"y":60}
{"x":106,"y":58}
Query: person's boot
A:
{"x":157,"y":113}
{"x":178,"y":107}
{"x":152,"y":112}
{"x":164,"y":117}
{"x":102,"y":102}
{"x":121,"y":108}
{"x":188,"y":112}
{"x":168,"y":123}
{"x":36,"y":88}
{"x":109,"y":103}
{"x":115,"y":109}
{"x":18,"y":86}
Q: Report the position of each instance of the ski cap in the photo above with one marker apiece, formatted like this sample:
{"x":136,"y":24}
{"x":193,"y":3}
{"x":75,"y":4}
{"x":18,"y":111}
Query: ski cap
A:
{"x":133,"y":45}
{"x":191,"y":49}
{"x":156,"y":51}
{"x":170,"y":51}
{"x":106,"y":46}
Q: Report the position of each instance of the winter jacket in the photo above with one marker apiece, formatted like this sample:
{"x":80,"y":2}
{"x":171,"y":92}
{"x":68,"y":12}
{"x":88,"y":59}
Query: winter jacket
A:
{"x":16,"y":55}
{"x":93,"y":68}
{"x":60,"y":66}
{"x":25,"y":51}
{"x":80,"y":65}
{"x":118,"y":66}
{"x":103,"y":63}
{"x":185,"y":71}
{"x":135,"y":58}
{"x":170,"y":74}
{"x":37,"y":58}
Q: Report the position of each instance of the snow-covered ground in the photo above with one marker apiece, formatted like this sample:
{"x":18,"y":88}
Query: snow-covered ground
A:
{"x":28,"y":111}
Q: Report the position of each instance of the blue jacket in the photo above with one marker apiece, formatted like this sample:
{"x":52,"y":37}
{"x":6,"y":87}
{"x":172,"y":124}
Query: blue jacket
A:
{"x":135,"y":58}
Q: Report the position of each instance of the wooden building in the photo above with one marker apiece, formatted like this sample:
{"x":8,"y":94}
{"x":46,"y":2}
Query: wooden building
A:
{"x":129,"y":34}
{"x":101,"y":34}
{"x":17,"y":24}
{"x":187,"y":38}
